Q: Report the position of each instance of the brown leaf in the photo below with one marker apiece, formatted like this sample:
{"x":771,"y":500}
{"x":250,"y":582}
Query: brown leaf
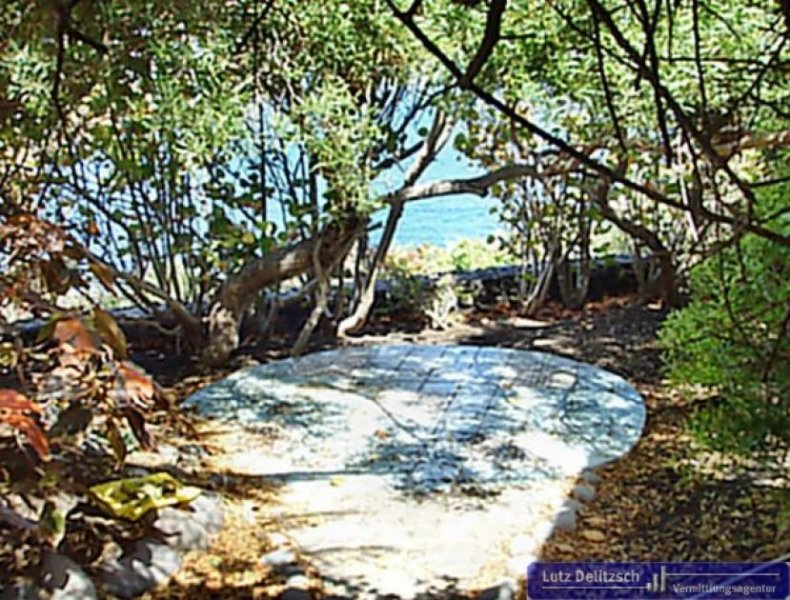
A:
{"x":13,"y":407}
{"x":566,"y":548}
{"x":104,"y":274}
{"x":110,"y":332}
{"x":116,"y":442}
{"x":74,"y":337}
{"x":594,"y":521}
{"x":13,"y":401}
{"x":593,"y":535}
{"x":137,"y":423}
{"x":45,"y":333}
{"x":139,"y":387}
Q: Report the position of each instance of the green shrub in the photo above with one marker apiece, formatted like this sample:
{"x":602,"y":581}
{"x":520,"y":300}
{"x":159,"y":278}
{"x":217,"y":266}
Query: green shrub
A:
{"x":406,"y":286}
{"x":733,"y":343}
{"x":463,"y":255}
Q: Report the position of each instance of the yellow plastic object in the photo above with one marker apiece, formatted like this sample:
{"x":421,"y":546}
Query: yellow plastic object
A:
{"x":132,"y":498}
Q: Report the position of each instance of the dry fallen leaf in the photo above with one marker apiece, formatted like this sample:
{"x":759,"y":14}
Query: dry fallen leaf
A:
{"x":13,"y":407}
{"x":593,"y":535}
{"x":110,"y":331}
{"x":594,"y":521}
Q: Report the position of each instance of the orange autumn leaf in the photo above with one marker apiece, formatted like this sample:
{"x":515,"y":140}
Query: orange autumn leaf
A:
{"x":13,"y":407}
{"x":13,"y":401}
{"x":74,"y":337}
{"x":138,"y":386}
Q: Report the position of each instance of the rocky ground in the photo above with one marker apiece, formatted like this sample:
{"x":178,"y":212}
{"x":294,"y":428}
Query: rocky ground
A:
{"x":662,"y":501}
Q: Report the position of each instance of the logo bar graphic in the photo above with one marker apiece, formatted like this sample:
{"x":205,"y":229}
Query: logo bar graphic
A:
{"x":637,"y":580}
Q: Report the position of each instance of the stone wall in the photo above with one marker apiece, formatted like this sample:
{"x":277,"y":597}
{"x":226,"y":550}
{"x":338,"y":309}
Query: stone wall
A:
{"x":610,"y":276}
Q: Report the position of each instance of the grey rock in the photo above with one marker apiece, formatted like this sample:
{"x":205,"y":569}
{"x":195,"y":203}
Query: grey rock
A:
{"x":299,"y":582}
{"x":147,"y":564}
{"x":584,"y":492}
{"x":64,"y":579}
{"x":591,"y":476}
{"x":278,"y":558}
{"x":504,"y":591}
{"x":571,"y":504}
{"x":209,"y":511}
{"x":181,"y":529}
{"x":136,"y":472}
{"x":566,"y":520}
{"x":191,"y":528}
{"x":168,"y":452}
{"x":195,"y":450}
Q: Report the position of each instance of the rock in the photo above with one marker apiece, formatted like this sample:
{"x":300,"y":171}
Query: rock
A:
{"x":591,"y":476}
{"x":195,"y":450}
{"x":191,"y":528}
{"x":278,"y":559}
{"x":504,"y":591}
{"x":335,"y":591}
{"x":181,"y":529}
{"x":299,"y":582}
{"x":168,"y":453}
{"x":565,"y":520}
{"x":571,"y":504}
{"x":64,"y":579}
{"x":134,"y":471}
{"x":278,"y":539}
{"x":209,"y":512}
{"x":584,"y":492}
{"x":147,"y":564}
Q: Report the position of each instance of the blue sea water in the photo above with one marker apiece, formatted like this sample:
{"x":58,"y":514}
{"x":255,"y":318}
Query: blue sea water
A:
{"x":440,"y":221}
{"x":444,"y":221}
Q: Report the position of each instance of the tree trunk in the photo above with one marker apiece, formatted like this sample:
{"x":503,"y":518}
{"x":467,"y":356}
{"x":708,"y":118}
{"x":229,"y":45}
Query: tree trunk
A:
{"x":574,"y":283}
{"x":537,"y":296}
{"x":668,"y":281}
{"x":224,"y":321}
{"x":355,"y":321}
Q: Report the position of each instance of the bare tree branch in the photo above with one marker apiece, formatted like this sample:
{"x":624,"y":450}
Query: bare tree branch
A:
{"x":431,"y":146}
{"x":490,"y":38}
{"x":474,"y":185}
{"x":253,"y":27}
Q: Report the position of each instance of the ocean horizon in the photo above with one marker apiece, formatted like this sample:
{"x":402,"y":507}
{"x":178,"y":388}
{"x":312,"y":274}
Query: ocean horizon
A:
{"x":442,"y":221}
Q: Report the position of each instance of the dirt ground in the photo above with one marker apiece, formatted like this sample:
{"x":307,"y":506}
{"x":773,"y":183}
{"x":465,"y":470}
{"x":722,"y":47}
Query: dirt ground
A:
{"x":662,"y":501}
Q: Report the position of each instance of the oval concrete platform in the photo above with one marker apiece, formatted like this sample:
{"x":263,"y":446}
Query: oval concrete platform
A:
{"x":408,"y":469}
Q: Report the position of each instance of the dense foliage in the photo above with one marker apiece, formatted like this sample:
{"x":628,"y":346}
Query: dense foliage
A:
{"x":732,"y":343}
